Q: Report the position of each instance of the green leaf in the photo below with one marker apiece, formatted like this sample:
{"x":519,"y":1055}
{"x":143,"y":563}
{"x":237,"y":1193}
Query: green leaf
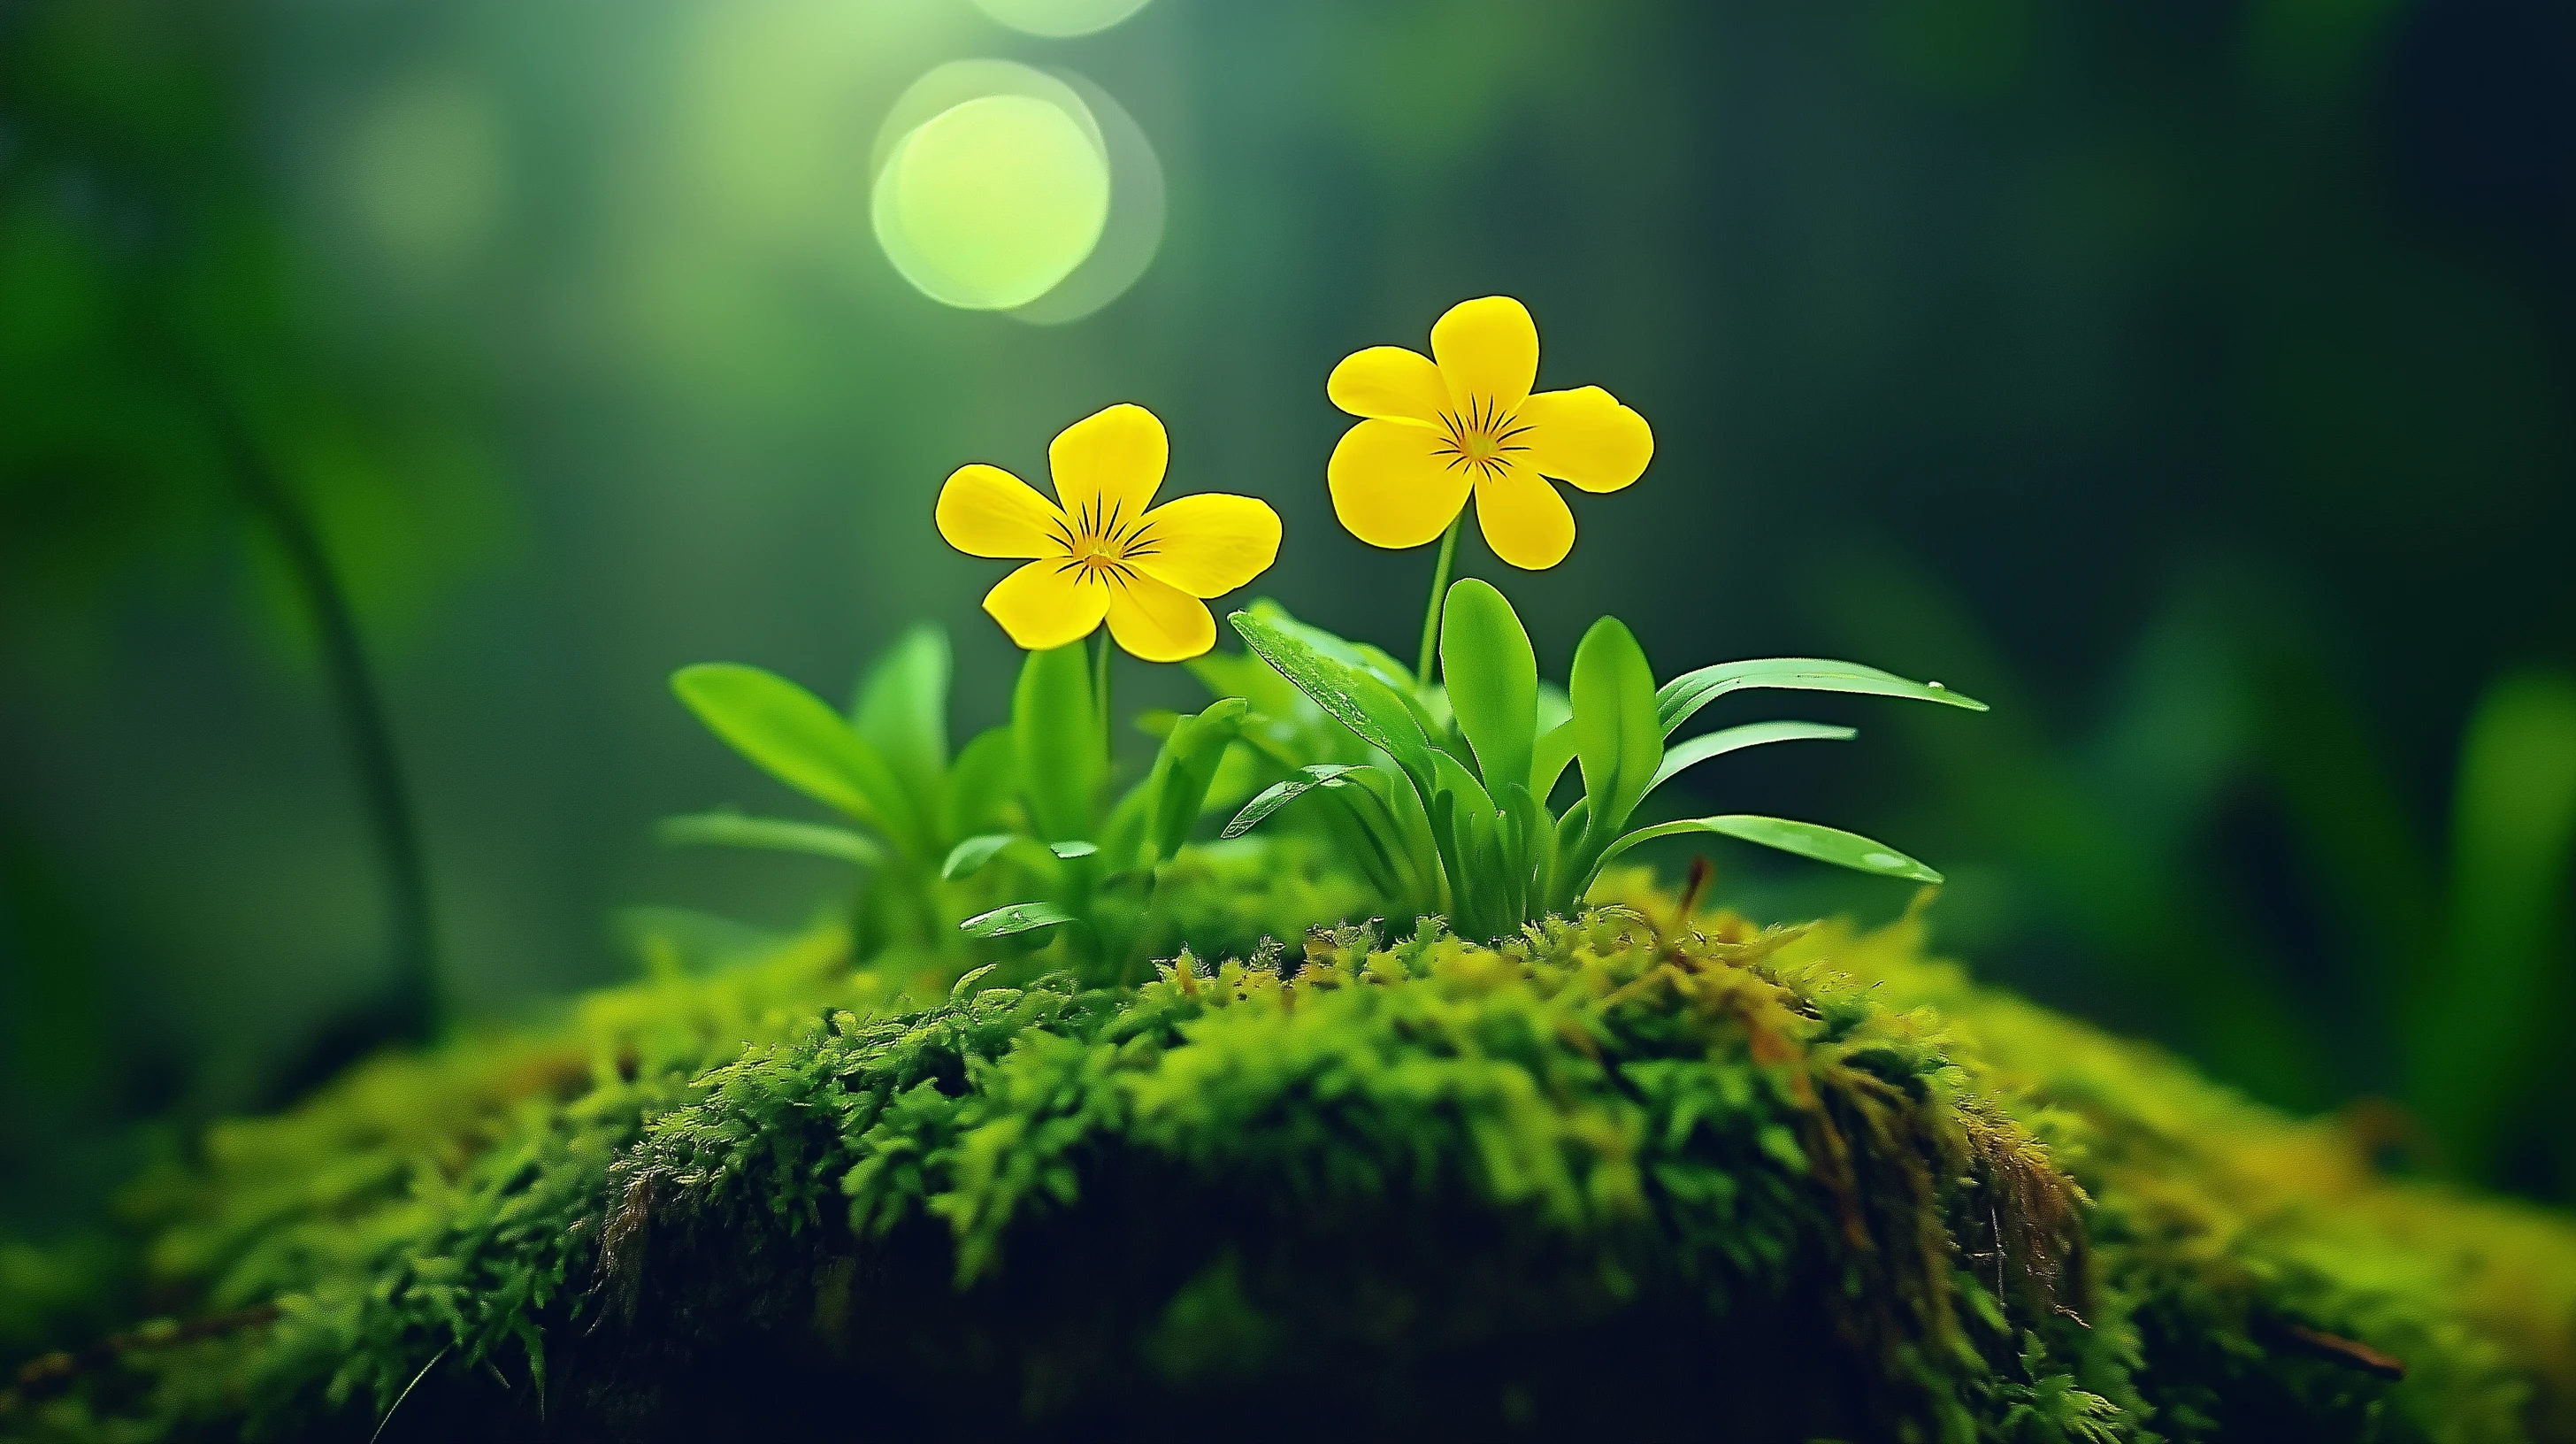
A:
{"x":1025,"y":917}
{"x":978,"y":789}
{"x":902,"y":710}
{"x":1465,"y":821}
{"x":1532,"y":847}
{"x":1279,"y":794}
{"x":1806,"y":839}
{"x":798,"y":739}
{"x":1492,"y":677}
{"x":1374,"y":712}
{"x":1408,"y":824}
{"x":1615,"y":736}
{"x":1240,"y":772}
{"x":1068,"y":851}
{"x":770,"y":834}
{"x":1284,"y":726}
{"x":2479,"y":1030}
{"x":1555,"y":709}
{"x":968,"y":858}
{"x":1122,"y":832}
{"x":1186,"y":766}
{"x":1735,"y":739}
{"x":1058,"y":737}
{"x":1549,"y":759}
{"x":1363,"y":833}
{"x":1454,"y":780}
{"x":1689,"y":692}
{"x":1245,"y":675}
{"x":1389,"y":673}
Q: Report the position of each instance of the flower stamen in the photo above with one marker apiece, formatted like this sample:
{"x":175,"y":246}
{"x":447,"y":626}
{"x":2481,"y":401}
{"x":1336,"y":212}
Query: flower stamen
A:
{"x":1099,"y":546}
{"x":1484,"y":437}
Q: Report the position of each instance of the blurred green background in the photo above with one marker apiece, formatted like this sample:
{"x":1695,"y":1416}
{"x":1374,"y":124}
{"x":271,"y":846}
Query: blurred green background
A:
{"x":391,"y":395}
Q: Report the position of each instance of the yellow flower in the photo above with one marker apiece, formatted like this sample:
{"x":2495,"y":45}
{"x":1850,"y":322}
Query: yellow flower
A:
{"x":1102,"y":553}
{"x":1436,"y":430}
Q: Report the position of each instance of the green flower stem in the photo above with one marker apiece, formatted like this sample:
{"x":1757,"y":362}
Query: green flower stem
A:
{"x":1439,"y":589}
{"x":1100,"y":696}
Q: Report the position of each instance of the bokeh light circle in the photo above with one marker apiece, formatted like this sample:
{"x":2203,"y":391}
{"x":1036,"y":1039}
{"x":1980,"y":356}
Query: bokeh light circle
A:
{"x":955,"y":82}
{"x":1137,"y":207}
{"x":994,"y":200}
{"x":999,"y":193}
{"x":1059,"y":19}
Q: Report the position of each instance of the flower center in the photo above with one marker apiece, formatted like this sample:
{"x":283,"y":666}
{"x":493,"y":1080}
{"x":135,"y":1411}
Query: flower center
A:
{"x":1098,"y":545}
{"x":1482,"y":436}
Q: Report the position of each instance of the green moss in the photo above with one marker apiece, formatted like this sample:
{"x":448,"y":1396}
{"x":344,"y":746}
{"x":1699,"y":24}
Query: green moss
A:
{"x":1624,"y":1170}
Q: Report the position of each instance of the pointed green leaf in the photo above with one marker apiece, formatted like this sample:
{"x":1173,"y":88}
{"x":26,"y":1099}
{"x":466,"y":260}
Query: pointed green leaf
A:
{"x":770,"y":834}
{"x":1279,"y":794}
{"x":1058,"y":737}
{"x":2475,"y":1034}
{"x":797,"y":738}
{"x":1464,"y":819}
{"x":1369,"y":832}
{"x":1184,"y":768}
{"x":1555,"y":709}
{"x":1689,"y":692}
{"x":1806,"y":839}
{"x":1615,"y":736}
{"x":1245,"y":675}
{"x":977,"y":791}
{"x":1025,"y":917}
{"x":1735,"y":739}
{"x":968,"y":857}
{"x":1373,"y":711}
{"x":1531,"y":849}
{"x":902,"y":710}
{"x":1492,"y":677}
{"x":1550,"y":757}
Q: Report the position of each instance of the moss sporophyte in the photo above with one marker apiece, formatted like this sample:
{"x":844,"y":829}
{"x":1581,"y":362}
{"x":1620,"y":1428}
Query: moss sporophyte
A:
{"x":1562,"y":1133}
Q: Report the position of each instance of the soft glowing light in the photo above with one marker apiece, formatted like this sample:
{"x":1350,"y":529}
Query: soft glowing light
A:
{"x":952,"y":84}
{"x":1136,"y":211}
{"x":992,"y":202}
{"x":426,"y":172}
{"x":1059,"y":19}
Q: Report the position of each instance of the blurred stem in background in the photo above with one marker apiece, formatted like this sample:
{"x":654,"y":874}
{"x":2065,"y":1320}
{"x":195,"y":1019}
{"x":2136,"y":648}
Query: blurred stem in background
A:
{"x":162,"y":384}
{"x":411,"y":1007}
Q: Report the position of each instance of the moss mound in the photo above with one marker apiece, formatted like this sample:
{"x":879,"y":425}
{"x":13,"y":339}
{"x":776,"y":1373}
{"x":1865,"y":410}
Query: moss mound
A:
{"x":1664,"y":1174}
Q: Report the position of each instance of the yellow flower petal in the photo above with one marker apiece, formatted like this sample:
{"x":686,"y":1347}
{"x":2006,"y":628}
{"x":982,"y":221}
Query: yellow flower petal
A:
{"x":1107,"y":465}
{"x":1488,"y":353}
{"x":1047,"y":604}
{"x":1159,"y":623}
{"x":1207,"y":545}
{"x":1395,"y":485}
{"x":1586,"y":437}
{"x":985,"y":511}
{"x":1526,"y":521}
{"x":1390,"y":382}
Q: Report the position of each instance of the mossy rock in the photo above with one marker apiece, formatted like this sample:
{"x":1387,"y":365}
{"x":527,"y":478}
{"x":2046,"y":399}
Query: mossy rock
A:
{"x":1673,"y":1176}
